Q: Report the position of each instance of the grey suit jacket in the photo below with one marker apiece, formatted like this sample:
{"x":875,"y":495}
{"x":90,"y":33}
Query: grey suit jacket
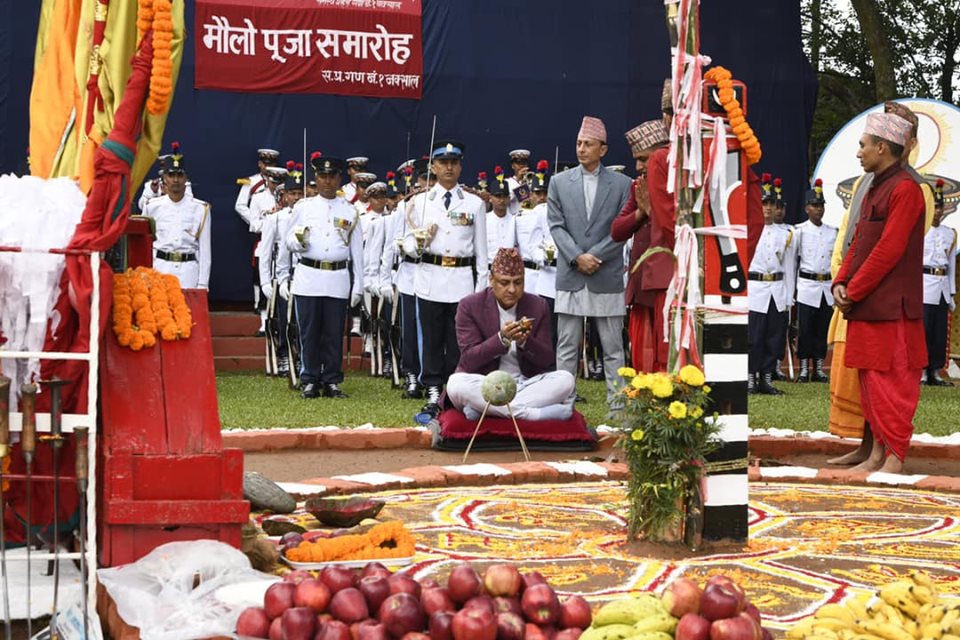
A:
{"x":574,"y":234}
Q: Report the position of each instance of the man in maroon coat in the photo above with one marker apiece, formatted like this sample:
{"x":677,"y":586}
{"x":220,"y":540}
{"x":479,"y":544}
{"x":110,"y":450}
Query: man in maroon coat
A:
{"x":879,"y":289}
{"x":503,"y":328}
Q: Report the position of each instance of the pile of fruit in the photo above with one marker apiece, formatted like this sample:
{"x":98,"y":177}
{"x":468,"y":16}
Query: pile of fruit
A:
{"x":909,"y":609}
{"x":375,"y":604}
{"x":719,"y":611}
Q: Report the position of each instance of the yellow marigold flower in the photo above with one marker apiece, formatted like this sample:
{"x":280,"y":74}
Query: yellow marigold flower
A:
{"x":706,"y":388}
{"x":626,"y":372}
{"x":662,"y":387}
{"x":641,"y":381}
{"x":692,"y":375}
{"x":677,"y":410}
{"x":696,"y":412}
{"x":637,"y":435}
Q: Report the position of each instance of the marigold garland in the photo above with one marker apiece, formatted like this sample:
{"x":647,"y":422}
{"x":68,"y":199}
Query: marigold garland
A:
{"x":386,"y":540}
{"x":158,"y":15}
{"x":145,"y":303}
{"x":738,"y":123}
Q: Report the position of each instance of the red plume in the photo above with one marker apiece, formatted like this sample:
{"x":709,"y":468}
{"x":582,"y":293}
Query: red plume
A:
{"x":408,"y":170}
{"x":765,"y":177}
{"x":498,"y":170}
{"x":290,"y":165}
{"x":818,"y":182}
{"x":299,"y":166}
{"x":391,"y":175}
{"x":482,"y":175}
{"x":175,"y":146}
{"x":542,"y":165}
{"x":315,"y":155}
{"x":777,"y":182}
{"x":939,"y":183}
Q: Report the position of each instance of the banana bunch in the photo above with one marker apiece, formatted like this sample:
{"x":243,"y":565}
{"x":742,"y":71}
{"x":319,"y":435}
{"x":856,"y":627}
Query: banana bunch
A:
{"x":638,"y":618}
{"x":904,"y":610}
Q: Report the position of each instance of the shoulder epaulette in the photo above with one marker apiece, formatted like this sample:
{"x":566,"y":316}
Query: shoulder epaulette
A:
{"x":789,"y":238}
{"x":243,"y":181}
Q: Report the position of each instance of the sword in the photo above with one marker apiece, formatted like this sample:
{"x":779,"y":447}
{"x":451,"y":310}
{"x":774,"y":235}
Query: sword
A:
{"x":82,"y":436}
{"x":732,"y":277}
{"x":4,"y":452}
{"x":56,"y":440}
{"x":28,"y":443}
{"x":393,"y":336}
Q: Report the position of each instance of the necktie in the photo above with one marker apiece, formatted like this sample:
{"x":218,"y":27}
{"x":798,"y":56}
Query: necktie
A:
{"x":446,"y":200}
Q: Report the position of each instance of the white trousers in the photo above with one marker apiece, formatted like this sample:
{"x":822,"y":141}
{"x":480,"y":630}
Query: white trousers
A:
{"x":187,"y":272}
{"x":554,"y":391}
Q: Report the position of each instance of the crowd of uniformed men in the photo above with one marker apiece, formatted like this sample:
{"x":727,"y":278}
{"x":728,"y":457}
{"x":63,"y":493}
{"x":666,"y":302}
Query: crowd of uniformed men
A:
{"x":342,"y":250}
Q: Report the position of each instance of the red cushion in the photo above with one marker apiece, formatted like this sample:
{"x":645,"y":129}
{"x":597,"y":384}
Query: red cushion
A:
{"x":454,"y":425}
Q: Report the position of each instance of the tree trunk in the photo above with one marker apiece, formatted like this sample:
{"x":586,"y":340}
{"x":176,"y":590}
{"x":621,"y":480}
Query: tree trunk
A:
{"x":815,"y":37}
{"x":951,"y":43}
{"x":878,"y":41}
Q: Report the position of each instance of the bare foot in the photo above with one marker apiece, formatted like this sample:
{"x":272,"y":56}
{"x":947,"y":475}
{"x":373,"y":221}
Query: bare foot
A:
{"x":856,"y":456}
{"x":871,"y":464}
{"x":893,"y":464}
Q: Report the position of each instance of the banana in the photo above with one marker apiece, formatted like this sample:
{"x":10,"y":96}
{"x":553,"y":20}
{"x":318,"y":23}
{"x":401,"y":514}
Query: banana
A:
{"x":628,"y":611}
{"x":906,"y":605}
{"x":950,"y":636}
{"x":609,"y":632}
{"x":951,"y":620}
{"x":833,"y":624}
{"x":652,"y":635}
{"x":924,"y":595}
{"x":892,"y":614}
{"x":822,"y":632}
{"x":936,"y":613}
{"x":911,"y":627}
{"x":834,"y":610}
{"x":922,"y":579}
{"x":932,"y":630}
{"x":858,"y":605}
{"x":866,"y":636}
{"x":800,"y":630}
{"x":886,"y":630}
{"x":656,"y":623}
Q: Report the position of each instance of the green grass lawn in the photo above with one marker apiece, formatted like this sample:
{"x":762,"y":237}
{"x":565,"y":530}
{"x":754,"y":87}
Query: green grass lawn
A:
{"x":251,"y":400}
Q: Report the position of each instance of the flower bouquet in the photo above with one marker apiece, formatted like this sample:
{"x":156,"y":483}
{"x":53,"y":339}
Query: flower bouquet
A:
{"x":665,"y":438}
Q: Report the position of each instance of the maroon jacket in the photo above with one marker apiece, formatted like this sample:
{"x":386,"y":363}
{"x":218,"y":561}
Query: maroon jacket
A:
{"x":478,"y":326}
{"x":624,"y":226}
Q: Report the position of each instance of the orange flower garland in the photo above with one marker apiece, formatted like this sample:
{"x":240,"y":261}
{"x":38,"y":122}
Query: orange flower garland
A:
{"x":158,"y":15}
{"x":146,"y":302}
{"x":738,"y":123}
{"x":386,"y":540}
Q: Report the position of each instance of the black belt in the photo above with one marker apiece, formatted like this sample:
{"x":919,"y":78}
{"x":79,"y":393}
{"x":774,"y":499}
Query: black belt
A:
{"x":550,"y":263}
{"x":411,"y":260}
{"x":765,"y":277}
{"x":324,"y":265}
{"x":819,"y":277}
{"x":530,"y":264}
{"x":935,"y":271}
{"x":448,"y":261}
{"x":171,"y":256}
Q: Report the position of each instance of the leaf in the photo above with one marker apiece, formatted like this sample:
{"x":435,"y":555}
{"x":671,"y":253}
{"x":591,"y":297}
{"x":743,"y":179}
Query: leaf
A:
{"x":649,"y":252}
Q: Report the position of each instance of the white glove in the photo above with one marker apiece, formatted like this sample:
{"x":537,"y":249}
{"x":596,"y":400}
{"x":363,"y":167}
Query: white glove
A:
{"x":371,"y":288}
{"x":266,"y":290}
{"x":386,"y":293}
{"x":355,"y":299}
{"x":283,"y":289}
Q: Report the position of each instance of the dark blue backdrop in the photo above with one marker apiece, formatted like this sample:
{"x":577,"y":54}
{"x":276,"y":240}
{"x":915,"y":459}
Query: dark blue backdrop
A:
{"x":499,"y":74}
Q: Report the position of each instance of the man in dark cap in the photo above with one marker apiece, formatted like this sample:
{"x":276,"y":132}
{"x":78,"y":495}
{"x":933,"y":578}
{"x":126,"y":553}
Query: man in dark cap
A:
{"x":939,"y":288}
{"x":355,"y":165}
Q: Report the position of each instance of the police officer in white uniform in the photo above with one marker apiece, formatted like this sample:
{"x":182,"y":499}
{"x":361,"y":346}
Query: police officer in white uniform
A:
{"x":939,"y":288}
{"x":447,"y":233}
{"x":814,"y":241}
{"x":520,"y":165}
{"x":329,"y":276}
{"x":770,"y":289}
{"x":529,"y":230}
{"x":355,"y":165}
{"x":182,"y":247}
{"x":372,"y":222}
{"x":154,"y":188}
{"x":249,"y":187}
{"x":501,"y":224}
{"x":545,"y":252}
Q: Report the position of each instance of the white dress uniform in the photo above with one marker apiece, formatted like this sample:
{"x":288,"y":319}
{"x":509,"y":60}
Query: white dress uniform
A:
{"x":272,"y":239}
{"x":769,"y":293}
{"x":149,"y":193}
{"x":260,"y":203}
{"x":373,"y":241}
{"x":501,"y":232}
{"x":529,"y":239}
{"x":513,"y":206}
{"x":939,"y":266}
{"x":814,"y":297}
{"x":182,"y":247}
{"x":349,"y":191}
{"x":332,"y":238}
{"x":252,"y":186}
{"x":398,"y":270}
{"x":547,"y":279}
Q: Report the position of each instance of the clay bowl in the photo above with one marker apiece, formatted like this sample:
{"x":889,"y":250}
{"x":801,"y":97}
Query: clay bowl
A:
{"x":343,"y":512}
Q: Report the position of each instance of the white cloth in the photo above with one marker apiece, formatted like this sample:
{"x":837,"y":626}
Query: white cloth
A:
{"x":940,"y":252}
{"x":590,"y":181}
{"x":373,"y":250}
{"x":272,"y":247}
{"x":261,"y":203}
{"x":183,"y":227}
{"x":510,"y":361}
{"x":149,"y":193}
{"x":449,"y":284}
{"x":550,"y":393}
{"x":501,"y":233}
{"x":814,"y":249}
{"x":775,"y":254}
{"x":513,"y":206}
{"x":253,"y":185}
{"x":584,"y":302}
{"x":547,"y":278}
{"x":529,"y":242}
{"x":402,"y":276}
{"x":349,"y":190}
{"x":333,"y":237}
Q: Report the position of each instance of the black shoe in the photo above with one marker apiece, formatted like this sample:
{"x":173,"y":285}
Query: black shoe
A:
{"x":310,"y":390}
{"x":596,"y":371}
{"x":934,"y":380}
{"x":260,"y":333}
{"x":412,"y":390}
{"x":387,"y":369}
{"x":332,"y":390}
{"x":804,"y":375}
{"x":433,"y":401}
{"x":751,"y":383}
{"x":765,"y":386}
{"x":283,"y":367}
{"x":778,"y":375}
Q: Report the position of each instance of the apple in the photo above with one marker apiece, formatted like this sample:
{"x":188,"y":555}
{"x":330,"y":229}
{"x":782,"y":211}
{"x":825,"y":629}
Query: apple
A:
{"x":333,"y":630}
{"x":682,"y":596}
{"x":400,"y":583}
{"x":312,"y":593}
{"x":278,"y":598}
{"x":436,"y":599}
{"x":441,"y":625}
{"x":536,"y":632}
{"x":752,"y":611}
{"x":765,"y":634}
{"x":276,"y":629}
{"x":349,"y":605}
{"x":415,"y":635}
{"x":531,"y":578}
{"x":428,"y":583}
{"x":474,"y":623}
{"x":739,"y":627}
{"x":510,"y":626}
{"x":573,"y":633}
{"x":575,"y":612}
{"x":371,"y":630}
{"x":483,"y":602}
{"x":375,"y":569}
{"x":290,"y":540}
{"x":730,"y":584}
{"x":375,"y":588}
{"x":338,"y":578}
{"x":502,"y":580}
{"x":463,"y":583}
{"x":401,"y":613}
{"x":540,"y":605}
{"x":298,"y":576}
{"x":254,"y":622}
{"x":299,"y":623}
{"x":507,"y":605}
{"x":692,"y":627}
{"x":719,"y":601}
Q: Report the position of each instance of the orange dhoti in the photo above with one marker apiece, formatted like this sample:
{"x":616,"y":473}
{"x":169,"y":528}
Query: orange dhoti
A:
{"x":846,"y":415}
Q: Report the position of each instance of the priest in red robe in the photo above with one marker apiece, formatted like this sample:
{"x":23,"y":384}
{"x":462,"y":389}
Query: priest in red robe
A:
{"x":879,"y":289}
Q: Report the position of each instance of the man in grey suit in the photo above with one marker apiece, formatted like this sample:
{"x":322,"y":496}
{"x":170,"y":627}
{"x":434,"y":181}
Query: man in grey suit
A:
{"x":581,"y":205}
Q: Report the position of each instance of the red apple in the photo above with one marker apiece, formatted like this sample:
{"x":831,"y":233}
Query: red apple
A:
{"x":289,"y":540}
{"x":692,"y":627}
{"x":739,"y":627}
{"x":507,"y":605}
{"x":682,"y":596}
{"x":375,"y":569}
{"x":316,"y":534}
{"x":531,"y":578}
{"x":752,"y":611}
{"x":312,"y":593}
{"x":428,"y":583}
{"x":719,"y":601}
{"x":441,"y":625}
{"x":299,"y":623}
{"x":502,"y":580}
{"x":400,"y":583}
{"x":729,"y":583}
{"x":540,"y":605}
{"x":510,"y":626}
{"x":349,"y":605}
{"x":276,"y":629}
{"x":338,"y":578}
{"x":765,"y":634}
{"x":415,"y":635}
{"x":483,"y":602}
{"x":401,"y":613}
{"x":463,"y":583}
{"x":278,"y":598}
{"x":254,"y":623}
{"x":475,"y":623}
{"x":333,"y":630}
{"x":371,"y":630}
{"x":375,"y":588}
{"x":536,"y":632}
{"x":573,"y":633}
{"x":436,"y":599}
{"x":575,"y":612}
{"x":298,"y":576}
